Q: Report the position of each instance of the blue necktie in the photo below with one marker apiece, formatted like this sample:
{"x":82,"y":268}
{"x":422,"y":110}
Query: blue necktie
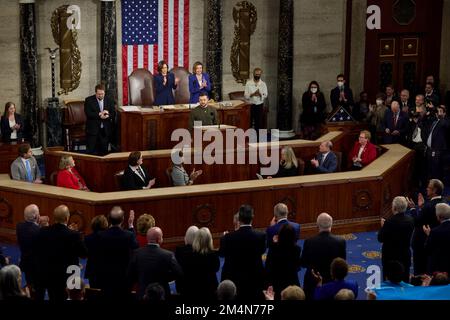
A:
{"x":29,"y":177}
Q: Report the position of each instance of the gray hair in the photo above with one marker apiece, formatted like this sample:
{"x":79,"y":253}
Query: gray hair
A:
{"x":438,"y":186}
{"x":399,"y":204}
{"x":280,"y":210}
{"x":329,"y":144}
{"x":31,"y":213}
{"x":226,"y":291}
{"x":442,"y":211}
{"x":190,"y":235}
{"x":324,"y":221}
{"x":10,"y":276}
{"x":344,"y":294}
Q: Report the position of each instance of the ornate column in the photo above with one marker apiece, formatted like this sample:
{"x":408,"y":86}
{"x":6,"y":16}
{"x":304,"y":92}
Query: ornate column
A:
{"x":214,"y":47}
{"x":285,"y":65}
{"x":108,"y":63}
{"x":28,"y":70}
{"x":109,"y":47}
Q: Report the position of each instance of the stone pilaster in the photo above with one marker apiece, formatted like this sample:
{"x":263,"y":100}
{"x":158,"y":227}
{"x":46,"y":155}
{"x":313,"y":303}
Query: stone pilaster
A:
{"x":28,"y":70}
{"x":285,"y":68}
{"x":108,"y":41}
{"x":214,"y":47}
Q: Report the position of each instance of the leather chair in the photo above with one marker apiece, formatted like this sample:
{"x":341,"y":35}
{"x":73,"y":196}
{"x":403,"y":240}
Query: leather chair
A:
{"x":118,"y":179}
{"x":169,"y":175}
{"x":339,"y":160}
{"x":301,"y":166}
{"x":141,"y":91}
{"x":74,"y":124}
{"x":181,"y":93}
{"x":237,"y":95}
{"x":53,"y":178}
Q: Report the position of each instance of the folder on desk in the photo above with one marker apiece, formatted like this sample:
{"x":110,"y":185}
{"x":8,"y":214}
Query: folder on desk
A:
{"x":130,"y":108}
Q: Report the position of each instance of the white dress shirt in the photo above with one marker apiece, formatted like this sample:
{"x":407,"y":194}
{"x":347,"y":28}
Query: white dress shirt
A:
{"x":250,"y":87}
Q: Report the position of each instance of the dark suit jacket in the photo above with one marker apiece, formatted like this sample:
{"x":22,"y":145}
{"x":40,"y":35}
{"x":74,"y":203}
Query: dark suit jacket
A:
{"x":329,"y":165}
{"x":424,"y":216}
{"x":164,"y":93}
{"x":6,"y":130}
{"x":2,"y":259}
{"x":56,"y":247}
{"x":93,"y":120}
{"x":313,"y":112}
{"x":131,"y":181}
{"x":335,"y":94}
{"x":282,"y":266}
{"x":401,"y":126}
{"x":93,"y":267}
{"x":26,"y":233}
{"x":273,"y":230}
{"x":438,"y":248}
{"x":153,"y":264}
{"x":439,"y":135}
{"x":318,"y":253}
{"x":115,"y":247}
{"x":284,"y":172}
{"x":242,"y":250}
{"x":199,"y":281}
{"x":396,"y":236}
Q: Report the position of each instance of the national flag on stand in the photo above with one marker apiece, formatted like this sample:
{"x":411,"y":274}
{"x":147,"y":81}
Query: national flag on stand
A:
{"x":153,"y":30}
{"x":340,"y":115}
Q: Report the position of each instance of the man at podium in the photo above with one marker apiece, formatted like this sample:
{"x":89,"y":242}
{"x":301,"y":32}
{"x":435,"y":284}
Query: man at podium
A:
{"x":204,"y":113}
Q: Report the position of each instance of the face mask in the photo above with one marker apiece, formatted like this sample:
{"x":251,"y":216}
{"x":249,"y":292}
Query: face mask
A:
{"x":256,"y":78}
{"x":379,"y":102}
{"x":340,"y":83}
{"x":314,"y":90}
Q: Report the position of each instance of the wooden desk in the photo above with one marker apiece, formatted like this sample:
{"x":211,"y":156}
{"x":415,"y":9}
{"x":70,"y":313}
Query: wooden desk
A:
{"x":356,"y":200}
{"x":98,"y":172}
{"x":151,"y":128}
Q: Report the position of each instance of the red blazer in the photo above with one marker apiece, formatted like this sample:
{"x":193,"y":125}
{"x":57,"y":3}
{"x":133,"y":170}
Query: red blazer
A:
{"x":367,"y":156}
{"x":70,"y":180}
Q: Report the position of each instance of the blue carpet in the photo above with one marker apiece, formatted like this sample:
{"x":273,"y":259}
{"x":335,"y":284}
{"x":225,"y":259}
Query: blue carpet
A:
{"x":363,"y":250}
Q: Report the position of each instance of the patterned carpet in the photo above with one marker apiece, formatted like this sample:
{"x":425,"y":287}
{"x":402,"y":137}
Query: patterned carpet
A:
{"x":363,"y":250}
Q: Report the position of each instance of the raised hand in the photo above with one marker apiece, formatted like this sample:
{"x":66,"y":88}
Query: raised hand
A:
{"x":131,"y":218}
{"x":420,"y":200}
{"x":269,"y":294}
{"x":426,"y":229}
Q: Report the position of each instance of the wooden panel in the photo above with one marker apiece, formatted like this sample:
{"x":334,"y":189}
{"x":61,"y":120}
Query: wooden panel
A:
{"x":215,"y":204}
{"x":152,"y":128}
{"x":420,"y":26}
{"x":8,"y":153}
{"x":387,"y":47}
{"x":98,"y":172}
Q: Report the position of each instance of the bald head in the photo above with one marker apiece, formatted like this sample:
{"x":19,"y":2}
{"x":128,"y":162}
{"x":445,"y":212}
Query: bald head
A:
{"x":31,"y":213}
{"x":325,"y":146}
{"x":116,"y":216}
{"x":155,"y":235}
{"x":324,"y":222}
{"x":61,"y":214}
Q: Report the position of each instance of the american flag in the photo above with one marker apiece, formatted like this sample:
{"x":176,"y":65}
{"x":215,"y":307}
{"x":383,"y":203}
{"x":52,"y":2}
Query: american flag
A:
{"x":153,"y":30}
{"x":340,"y":115}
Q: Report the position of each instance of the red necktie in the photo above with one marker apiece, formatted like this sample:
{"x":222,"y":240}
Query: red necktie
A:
{"x":395,"y":120}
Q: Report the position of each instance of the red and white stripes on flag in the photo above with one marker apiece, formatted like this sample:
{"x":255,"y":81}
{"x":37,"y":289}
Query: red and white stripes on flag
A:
{"x":172,"y":43}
